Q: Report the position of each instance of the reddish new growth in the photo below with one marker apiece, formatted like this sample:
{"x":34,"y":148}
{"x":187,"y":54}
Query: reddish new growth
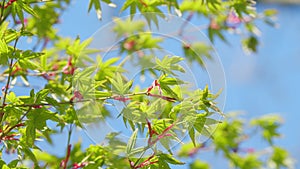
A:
{"x":79,"y":165}
{"x":146,"y":162}
{"x":9,"y":137}
{"x":9,"y":3}
{"x":154,"y":84}
{"x":151,"y":142}
{"x":151,"y":132}
{"x":77,"y":95}
{"x":121,"y":98}
{"x":6,"y":137}
{"x":159,"y":136}
{"x":64,"y":162}
{"x":17,"y":70}
{"x":69,"y":68}
{"x":195,"y":150}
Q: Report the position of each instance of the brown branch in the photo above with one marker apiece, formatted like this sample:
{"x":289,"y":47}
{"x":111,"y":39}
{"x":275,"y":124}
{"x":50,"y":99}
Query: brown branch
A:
{"x":18,"y":124}
{"x":80,"y":101}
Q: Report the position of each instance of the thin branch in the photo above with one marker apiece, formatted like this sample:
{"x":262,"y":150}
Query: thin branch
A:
{"x":188,"y":19}
{"x":8,"y":81}
{"x":41,"y":1}
{"x":79,"y":101}
{"x":115,"y":97}
{"x":36,"y":73}
{"x":9,"y":129}
{"x":2,"y":11}
{"x":69,"y":146}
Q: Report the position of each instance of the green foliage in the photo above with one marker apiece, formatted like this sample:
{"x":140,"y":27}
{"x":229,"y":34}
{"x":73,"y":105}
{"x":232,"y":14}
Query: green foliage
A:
{"x":197,"y":164}
{"x":269,"y":125}
{"x":197,"y":52}
{"x":96,"y":4}
{"x":79,"y":86}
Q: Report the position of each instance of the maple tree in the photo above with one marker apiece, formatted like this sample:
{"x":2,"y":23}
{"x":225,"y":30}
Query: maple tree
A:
{"x":78,"y":86}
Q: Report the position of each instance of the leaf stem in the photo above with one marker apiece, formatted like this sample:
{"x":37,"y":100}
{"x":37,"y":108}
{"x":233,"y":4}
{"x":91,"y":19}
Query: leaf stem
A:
{"x":69,"y":146}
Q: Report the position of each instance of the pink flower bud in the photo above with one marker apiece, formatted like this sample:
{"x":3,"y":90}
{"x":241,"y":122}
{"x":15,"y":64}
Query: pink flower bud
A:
{"x":214,"y":25}
{"x":129,"y":45}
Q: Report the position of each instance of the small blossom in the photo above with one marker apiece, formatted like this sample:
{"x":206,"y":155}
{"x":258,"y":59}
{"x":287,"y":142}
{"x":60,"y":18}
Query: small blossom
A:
{"x":214,"y":25}
{"x":131,"y":163}
{"x":250,"y":150}
{"x":77,"y":95}
{"x":187,"y":46}
{"x":79,"y":165}
{"x":233,"y":21}
{"x":25,"y":21}
{"x":129,"y":45}
{"x":4,"y":88}
{"x":69,"y":68}
{"x":55,"y":67}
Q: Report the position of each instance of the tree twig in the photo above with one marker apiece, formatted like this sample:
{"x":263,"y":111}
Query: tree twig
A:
{"x":8,"y":81}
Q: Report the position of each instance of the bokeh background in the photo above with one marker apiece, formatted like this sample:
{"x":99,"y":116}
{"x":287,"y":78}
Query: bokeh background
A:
{"x":257,"y":84}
